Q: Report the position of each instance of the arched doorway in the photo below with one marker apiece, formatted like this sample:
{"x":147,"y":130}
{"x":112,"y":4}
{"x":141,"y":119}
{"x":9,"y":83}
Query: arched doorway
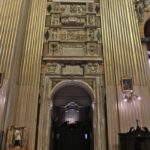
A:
{"x":72,"y":119}
{"x":147,"y":34}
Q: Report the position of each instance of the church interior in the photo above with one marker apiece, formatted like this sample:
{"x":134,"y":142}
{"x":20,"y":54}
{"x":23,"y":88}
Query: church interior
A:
{"x":74,"y":74}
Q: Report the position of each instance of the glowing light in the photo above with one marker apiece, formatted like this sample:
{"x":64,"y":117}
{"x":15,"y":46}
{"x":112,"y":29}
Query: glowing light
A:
{"x":139,"y":98}
{"x":125,"y":100}
{"x":86,"y":136}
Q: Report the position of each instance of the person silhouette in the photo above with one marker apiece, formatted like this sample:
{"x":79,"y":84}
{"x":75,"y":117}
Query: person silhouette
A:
{"x":17,"y":137}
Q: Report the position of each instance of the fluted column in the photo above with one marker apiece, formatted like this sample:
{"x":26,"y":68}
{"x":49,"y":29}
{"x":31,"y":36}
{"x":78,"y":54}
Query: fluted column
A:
{"x":29,"y":78}
{"x":123,"y":57}
{"x":12,"y":27}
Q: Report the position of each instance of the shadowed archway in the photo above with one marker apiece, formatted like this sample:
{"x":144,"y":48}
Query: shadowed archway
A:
{"x":72,"y":119}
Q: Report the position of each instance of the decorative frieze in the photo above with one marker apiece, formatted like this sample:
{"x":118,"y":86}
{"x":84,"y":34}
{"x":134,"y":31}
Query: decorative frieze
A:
{"x":75,"y":70}
{"x":72,"y":49}
{"x":90,"y":20}
{"x":72,"y":35}
{"x":73,"y":8}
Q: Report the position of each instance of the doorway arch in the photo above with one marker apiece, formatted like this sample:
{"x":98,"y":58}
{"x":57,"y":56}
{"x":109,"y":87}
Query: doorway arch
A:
{"x":72,"y":116}
{"x":147,"y":34}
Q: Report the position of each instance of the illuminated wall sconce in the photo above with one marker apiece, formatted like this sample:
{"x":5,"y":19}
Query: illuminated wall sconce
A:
{"x":127,"y":90}
{"x":130,"y":95}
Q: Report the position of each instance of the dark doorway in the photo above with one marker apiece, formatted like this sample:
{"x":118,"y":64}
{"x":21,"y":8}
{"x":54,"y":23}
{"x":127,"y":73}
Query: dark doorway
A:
{"x":147,"y":34}
{"x":72,"y":122}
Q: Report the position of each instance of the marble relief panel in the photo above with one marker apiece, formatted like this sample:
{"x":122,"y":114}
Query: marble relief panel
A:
{"x":73,"y":35}
{"x":72,"y":20}
{"x":73,"y":8}
{"x":72,"y":49}
{"x":72,"y":70}
{"x":63,"y":69}
{"x":53,"y":68}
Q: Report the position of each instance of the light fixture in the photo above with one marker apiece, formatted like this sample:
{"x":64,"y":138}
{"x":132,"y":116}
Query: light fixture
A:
{"x":130,"y":95}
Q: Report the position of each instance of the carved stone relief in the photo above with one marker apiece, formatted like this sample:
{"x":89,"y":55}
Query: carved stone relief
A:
{"x":75,"y":35}
{"x":54,"y":49}
{"x":73,"y":8}
{"x":55,"y":19}
{"x":73,"y":49}
{"x":54,"y":36}
{"x":140,"y":8}
{"x":72,"y":70}
{"x":92,"y":49}
{"x":90,"y":7}
{"x":91,"y":20}
{"x":55,"y":7}
{"x":92,"y":69}
{"x":73,"y":20}
{"x":61,"y":69}
{"x":98,"y":34}
{"x":97,"y":8}
{"x":91,"y":34}
{"x":53,"y":68}
{"x":73,"y":29}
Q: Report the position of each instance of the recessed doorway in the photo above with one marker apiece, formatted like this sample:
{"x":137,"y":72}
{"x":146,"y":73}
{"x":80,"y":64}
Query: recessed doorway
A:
{"x":72,"y":119}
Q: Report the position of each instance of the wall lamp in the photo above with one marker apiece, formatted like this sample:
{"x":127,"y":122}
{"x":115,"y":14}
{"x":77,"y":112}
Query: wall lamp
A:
{"x":130,"y":95}
{"x":127,"y":90}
